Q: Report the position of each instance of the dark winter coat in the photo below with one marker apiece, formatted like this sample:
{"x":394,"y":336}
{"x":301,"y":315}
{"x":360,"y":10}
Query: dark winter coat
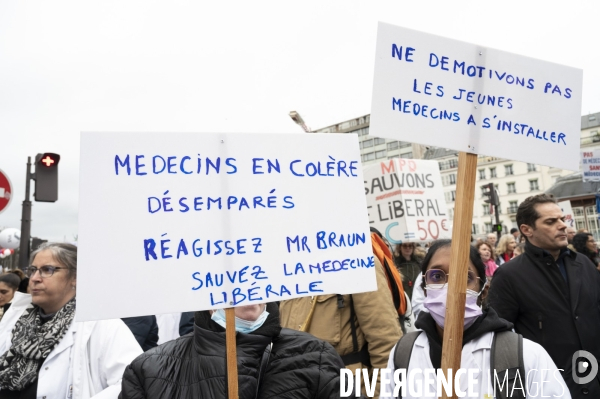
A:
{"x":530,"y":292}
{"x":409,"y":270}
{"x":194,"y":366}
{"x":186,"y":323}
{"x":144,"y":329}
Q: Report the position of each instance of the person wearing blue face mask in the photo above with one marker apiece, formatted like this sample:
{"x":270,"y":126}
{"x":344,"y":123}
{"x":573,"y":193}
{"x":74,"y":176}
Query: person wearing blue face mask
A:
{"x":424,"y":348}
{"x":250,"y":318}
{"x":273,"y":362}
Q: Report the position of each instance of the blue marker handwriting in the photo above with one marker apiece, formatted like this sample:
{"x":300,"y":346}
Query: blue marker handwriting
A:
{"x":166,"y":203}
{"x":426,"y":111}
{"x":328,"y":266}
{"x":460,"y":67}
{"x":166,"y":248}
{"x":473,"y":70}
{"x":143,"y":165}
{"x":324,"y":240}
{"x":245,"y":274}
{"x":264,"y":292}
{"x":522,"y":129}
{"x":255,"y":287}
{"x":462,"y":94}
{"x":329,"y":167}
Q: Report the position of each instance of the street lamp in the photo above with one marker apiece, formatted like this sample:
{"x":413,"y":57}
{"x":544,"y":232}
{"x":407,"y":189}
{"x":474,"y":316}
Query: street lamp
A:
{"x":299,"y":121}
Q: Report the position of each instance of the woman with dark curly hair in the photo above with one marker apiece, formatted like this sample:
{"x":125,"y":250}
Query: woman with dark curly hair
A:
{"x":585,"y":244}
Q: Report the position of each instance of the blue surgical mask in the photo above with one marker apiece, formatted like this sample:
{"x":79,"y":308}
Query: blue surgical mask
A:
{"x":241,"y":325}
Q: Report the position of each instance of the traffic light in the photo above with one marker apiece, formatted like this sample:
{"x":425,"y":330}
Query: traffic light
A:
{"x":490,"y":194}
{"x":497,"y":228}
{"x":46,"y":177}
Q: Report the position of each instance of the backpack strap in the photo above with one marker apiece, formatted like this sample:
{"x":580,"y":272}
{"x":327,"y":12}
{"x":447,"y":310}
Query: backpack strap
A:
{"x":506,"y":358}
{"x":357,"y":356}
{"x":403,"y":351}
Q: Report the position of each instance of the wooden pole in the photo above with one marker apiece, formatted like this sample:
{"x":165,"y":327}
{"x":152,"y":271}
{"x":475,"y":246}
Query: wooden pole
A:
{"x":232,"y":372}
{"x":459,"y":260}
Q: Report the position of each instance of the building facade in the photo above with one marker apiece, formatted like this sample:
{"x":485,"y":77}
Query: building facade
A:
{"x":514,"y":180}
{"x":582,"y":194}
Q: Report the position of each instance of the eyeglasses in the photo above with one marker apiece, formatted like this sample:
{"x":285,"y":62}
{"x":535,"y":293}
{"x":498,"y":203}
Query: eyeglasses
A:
{"x":438,"y":279}
{"x":45,"y":271}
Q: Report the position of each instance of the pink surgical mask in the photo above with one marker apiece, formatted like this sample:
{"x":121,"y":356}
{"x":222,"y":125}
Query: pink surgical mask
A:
{"x":435,"y":302}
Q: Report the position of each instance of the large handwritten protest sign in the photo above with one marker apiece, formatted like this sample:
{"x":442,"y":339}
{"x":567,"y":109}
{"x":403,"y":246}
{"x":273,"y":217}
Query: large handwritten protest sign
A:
{"x":406,"y":200}
{"x":446,"y":93}
{"x":184,"y":222}
{"x":590,"y":162}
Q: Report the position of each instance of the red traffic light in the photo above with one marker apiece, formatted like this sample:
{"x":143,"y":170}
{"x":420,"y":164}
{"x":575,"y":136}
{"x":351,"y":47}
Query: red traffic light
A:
{"x":46,"y":177}
{"x":48,"y":159}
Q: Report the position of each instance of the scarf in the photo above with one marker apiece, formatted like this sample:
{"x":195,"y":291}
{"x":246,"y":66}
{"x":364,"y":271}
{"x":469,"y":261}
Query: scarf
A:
{"x":487,"y":322}
{"x":31,"y":343}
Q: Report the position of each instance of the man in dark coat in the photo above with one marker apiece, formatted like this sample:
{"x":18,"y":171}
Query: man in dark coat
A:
{"x":551,"y":294}
{"x":144,"y":329}
{"x":296,"y":365}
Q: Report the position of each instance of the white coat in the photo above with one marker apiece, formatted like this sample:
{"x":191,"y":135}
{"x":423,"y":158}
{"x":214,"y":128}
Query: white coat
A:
{"x":476,"y":356}
{"x":418,"y":297}
{"x":88,"y":361}
{"x":168,"y":327}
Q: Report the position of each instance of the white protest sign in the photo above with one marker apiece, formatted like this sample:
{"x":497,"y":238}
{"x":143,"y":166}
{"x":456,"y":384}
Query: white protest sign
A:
{"x":451,"y":94}
{"x":185,"y":222}
{"x":590,"y":163}
{"x":406,"y":200}
{"x":567,"y":211}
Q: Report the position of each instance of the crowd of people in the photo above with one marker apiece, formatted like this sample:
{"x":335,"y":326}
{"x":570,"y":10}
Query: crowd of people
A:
{"x":533,"y":294}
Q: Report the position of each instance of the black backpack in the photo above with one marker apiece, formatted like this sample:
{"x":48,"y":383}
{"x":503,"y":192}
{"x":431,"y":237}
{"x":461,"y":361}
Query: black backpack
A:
{"x":506,"y":357}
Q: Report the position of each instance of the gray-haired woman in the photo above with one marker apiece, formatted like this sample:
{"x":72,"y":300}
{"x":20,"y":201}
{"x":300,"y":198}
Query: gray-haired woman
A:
{"x":44,"y":352}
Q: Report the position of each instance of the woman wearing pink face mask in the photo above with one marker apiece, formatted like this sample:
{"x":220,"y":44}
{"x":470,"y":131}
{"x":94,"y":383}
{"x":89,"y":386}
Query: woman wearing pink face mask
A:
{"x":424,"y":349}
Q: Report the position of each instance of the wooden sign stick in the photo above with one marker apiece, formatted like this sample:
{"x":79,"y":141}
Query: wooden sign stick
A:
{"x":232,"y":372}
{"x":459,"y":260}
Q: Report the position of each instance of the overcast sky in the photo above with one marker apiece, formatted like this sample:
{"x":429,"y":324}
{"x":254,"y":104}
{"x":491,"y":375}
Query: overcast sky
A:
{"x":231,"y":66}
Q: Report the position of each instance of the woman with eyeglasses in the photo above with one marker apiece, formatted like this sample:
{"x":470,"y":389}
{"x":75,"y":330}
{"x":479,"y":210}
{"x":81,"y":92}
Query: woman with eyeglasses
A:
{"x":585,"y":244}
{"x":480,"y":327}
{"x":44,"y":353}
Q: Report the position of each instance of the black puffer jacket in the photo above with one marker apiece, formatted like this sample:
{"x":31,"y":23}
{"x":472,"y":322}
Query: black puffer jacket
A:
{"x":194,"y":366}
